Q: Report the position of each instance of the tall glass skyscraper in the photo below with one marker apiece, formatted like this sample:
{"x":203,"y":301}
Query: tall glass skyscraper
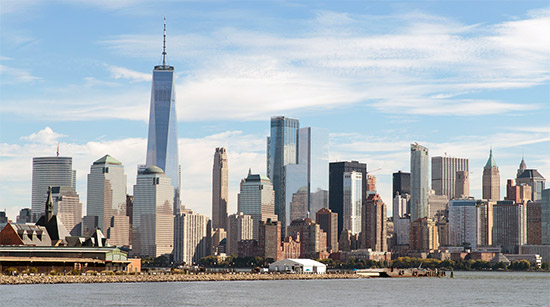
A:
{"x":420,"y":181}
{"x":162,"y":142}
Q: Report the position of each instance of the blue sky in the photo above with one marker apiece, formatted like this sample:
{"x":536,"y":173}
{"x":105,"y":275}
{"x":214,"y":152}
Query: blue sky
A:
{"x":455,"y":76}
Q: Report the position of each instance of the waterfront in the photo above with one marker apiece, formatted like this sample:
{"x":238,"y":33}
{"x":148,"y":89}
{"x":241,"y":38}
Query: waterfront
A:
{"x":466,"y":289}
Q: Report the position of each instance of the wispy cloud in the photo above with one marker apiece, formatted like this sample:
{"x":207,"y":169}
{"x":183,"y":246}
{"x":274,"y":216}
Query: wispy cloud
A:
{"x":118,"y":72}
{"x":44,"y":136}
{"x":10,"y":75}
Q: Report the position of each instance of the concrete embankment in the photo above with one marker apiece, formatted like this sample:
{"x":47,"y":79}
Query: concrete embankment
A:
{"x":64,"y":279}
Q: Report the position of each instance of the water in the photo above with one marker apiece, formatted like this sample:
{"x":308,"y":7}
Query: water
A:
{"x":466,"y":289}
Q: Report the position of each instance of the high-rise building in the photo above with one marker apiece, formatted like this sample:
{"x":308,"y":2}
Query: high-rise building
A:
{"x":374,"y":224}
{"x":257,"y":199}
{"x":463,"y":223}
{"x":153,"y":218}
{"x":438,"y":205}
{"x":118,"y":231}
{"x":219,"y":189}
{"x":68,"y":208}
{"x":519,"y":192}
{"x":491,"y":179}
{"x":312,"y":238}
{"x":106,"y":191}
{"x":545,"y":217}
{"x":532,"y":178}
{"x":328,"y":221}
{"x":534,"y":222}
{"x":353,"y":201}
{"x":239,"y":227}
{"x":25,"y":216}
{"x":401,"y":183}
{"x":49,"y":171}
{"x":401,"y":218}
{"x":509,"y":225}
{"x":371,"y":184}
{"x":162,"y":141}
{"x":420,"y":182}
{"x":270,"y":240}
{"x":424,"y":235}
{"x":336,"y":186}
{"x":462,"y":185}
{"x":192,"y":237}
{"x":484,"y":222}
{"x":444,"y":171}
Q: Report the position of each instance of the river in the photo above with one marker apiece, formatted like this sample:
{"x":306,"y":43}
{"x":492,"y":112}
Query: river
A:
{"x":466,"y":289}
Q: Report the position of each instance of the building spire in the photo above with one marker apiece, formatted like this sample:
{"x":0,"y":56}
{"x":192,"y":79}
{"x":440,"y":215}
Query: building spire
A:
{"x":164,"y":44}
{"x":491,"y":161}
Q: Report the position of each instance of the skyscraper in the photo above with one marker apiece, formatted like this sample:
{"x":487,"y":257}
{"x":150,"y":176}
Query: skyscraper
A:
{"x":162,"y":142}
{"x":219,"y":189}
{"x":192,"y":237}
{"x":420,"y":182}
{"x":282,"y":150}
{"x":49,"y":171}
{"x":239,"y":227}
{"x":532,"y":178}
{"x":491,"y":179}
{"x":68,"y":208}
{"x":336,"y":186}
{"x":106,"y":190}
{"x":328,"y":221}
{"x":153,"y":218}
{"x":444,"y":174}
{"x":463,"y":223}
{"x":462,"y":185}
{"x":509,"y":225}
{"x":401,"y":183}
{"x":257,"y":199}
{"x":374,"y":224}
{"x":545,"y":217}
{"x":353,"y":201}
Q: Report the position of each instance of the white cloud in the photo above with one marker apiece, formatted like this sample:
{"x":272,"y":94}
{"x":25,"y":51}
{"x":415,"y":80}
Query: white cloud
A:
{"x":44,"y":136}
{"x":118,"y":72}
{"x":11,"y":75}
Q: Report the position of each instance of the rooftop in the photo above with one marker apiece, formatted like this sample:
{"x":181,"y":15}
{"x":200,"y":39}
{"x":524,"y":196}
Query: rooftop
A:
{"x":107,"y":159}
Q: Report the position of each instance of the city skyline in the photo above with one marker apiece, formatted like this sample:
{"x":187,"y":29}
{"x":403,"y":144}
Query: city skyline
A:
{"x":118,"y":82}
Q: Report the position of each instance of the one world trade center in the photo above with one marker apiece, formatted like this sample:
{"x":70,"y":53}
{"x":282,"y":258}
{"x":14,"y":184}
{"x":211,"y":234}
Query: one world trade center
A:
{"x":162,"y":142}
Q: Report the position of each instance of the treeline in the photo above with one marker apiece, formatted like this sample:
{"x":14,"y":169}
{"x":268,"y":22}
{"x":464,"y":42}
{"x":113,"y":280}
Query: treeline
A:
{"x":234,"y":262}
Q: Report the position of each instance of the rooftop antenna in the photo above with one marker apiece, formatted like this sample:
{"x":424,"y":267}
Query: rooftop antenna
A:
{"x":164,"y":44}
{"x":58,"y":148}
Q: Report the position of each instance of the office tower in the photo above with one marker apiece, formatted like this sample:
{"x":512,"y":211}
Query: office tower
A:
{"x":463,"y":223}
{"x":106,"y":190}
{"x":328,"y":221}
{"x":153,"y":218}
{"x":491,"y":179}
{"x":56,"y":230}
{"x":484,"y":222}
{"x":424,"y":235}
{"x":118,"y":231}
{"x":534,"y":222}
{"x":68,"y":208}
{"x":509,"y":225}
{"x":49,"y":171}
{"x":545,"y":217}
{"x":25,"y":216}
{"x":519,"y":192}
{"x":3,"y":217}
{"x":374,"y":224}
{"x":462,"y":185}
{"x":437,"y":205}
{"x":348,"y":241}
{"x":257,"y":199}
{"x":371,"y":184}
{"x":270,"y":240}
{"x":282,"y":150}
{"x":306,"y":181}
{"x":401,"y":183}
{"x":219,"y":239}
{"x":532,"y":178}
{"x":162,"y":142}
{"x":401,"y":218}
{"x":219,"y":189}
{"x":89,"y":225}
{"x":444,"y":171}
{"x":239,"y":227}
{"x":312,"y":238}
{"x":192,"y":237}
{"x":353,"y":201}
{"x":420,"y":182}
{"x":130,"y":214}
{"x":336,"y":186}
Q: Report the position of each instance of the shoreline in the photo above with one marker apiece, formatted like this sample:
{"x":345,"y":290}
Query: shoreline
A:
{"x":70,"y":279}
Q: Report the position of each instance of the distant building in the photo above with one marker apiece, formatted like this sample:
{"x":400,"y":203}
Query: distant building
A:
{"x":218,"y":235}
{"x":462,"y":185}
{"x":485,"y":222}
{"x":534,"y":222}
{"x":3,"y":217}
{"x":239,"y":227}
{"x":25,"y":216}
{"x":371,"y":184}
{"x":353,"y":201}
{"x":68,"y":208}
{"x":328,"y":221}
{"x":219,"y":188}
{"x":423,"y":235}
{"x":374,"y":224}
{"x":107,"y":198}
{"x":348,"y":241}
{"x":401,"y":183}
{"x":312,"y":238}
{"x":437,"y":205}
{"x":420,"y":182}
{"x":444,"y":173}
{"x":519,"y":192}
{"x":192,"y":237}
{"x":336,"y":183}
{"x":534,"y":179}
{"x":545,"y":217}
{"x":491,"y":179}
{"x":49,"y":171}
{"x":510,"y":225}
{"x":270,"y":240}
{"x":153,"y":218}
{"x":463,"y":223}
{"x":118,"y":231}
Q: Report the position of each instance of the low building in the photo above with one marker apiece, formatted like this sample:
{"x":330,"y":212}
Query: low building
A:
{"x":542,"y":250}
{"x":534,"y":259}
{"x":367,"y":254}
{"x":298,"y":266}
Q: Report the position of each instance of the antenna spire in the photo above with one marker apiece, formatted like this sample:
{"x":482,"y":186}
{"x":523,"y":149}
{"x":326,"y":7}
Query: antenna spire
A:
{"x":164,"y":44}
{"x":58,"y":148}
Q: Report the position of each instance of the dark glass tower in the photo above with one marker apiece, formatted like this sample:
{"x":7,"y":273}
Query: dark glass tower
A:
{"x":401,"y":183}
{"x":162,"y":142}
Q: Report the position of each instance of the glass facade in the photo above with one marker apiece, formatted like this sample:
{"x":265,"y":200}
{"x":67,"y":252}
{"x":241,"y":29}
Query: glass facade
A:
{"x":353,"y":200}
{"x":162,"y":143}
{"x":420,"y":181}
{"x":318,"y":169}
